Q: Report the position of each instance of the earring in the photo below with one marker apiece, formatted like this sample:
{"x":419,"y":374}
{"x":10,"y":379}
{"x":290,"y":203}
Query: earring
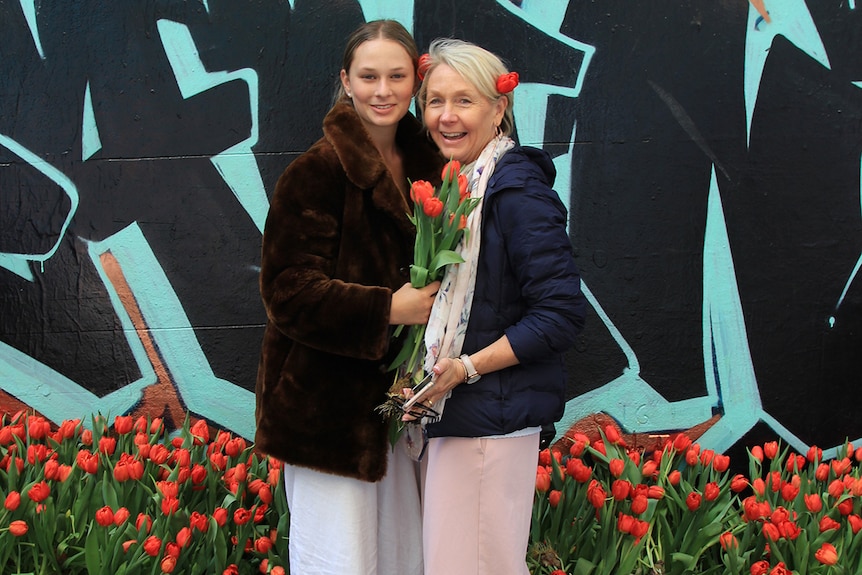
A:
{"x":349,"y":95}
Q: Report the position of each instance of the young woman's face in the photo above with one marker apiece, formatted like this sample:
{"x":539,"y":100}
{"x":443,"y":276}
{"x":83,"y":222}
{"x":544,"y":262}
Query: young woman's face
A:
{"x":461,"y":120}
{"x":381,"y":82}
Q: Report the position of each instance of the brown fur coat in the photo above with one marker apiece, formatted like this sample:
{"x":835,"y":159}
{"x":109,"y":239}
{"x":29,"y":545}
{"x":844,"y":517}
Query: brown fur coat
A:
{"x":337,"y":243}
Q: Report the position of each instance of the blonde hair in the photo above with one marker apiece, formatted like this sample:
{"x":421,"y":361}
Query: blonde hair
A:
{"x":477,"y":66}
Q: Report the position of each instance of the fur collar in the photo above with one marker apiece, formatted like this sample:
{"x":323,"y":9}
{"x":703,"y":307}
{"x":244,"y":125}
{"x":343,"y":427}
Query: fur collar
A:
{"x":364,"y":166}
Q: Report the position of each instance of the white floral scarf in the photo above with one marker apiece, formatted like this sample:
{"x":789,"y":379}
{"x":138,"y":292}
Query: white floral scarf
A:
{"x":450,"y":314}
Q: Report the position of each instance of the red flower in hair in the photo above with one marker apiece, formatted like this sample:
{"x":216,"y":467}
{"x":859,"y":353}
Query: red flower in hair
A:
{"x":423,"y":65}
{"x":507,"y":82}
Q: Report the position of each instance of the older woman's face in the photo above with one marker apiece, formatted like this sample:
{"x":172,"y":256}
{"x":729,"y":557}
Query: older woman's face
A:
{"x":461,"y":120}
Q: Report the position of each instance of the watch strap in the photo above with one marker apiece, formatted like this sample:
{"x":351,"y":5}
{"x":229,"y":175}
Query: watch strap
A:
{"x":472,"y":375}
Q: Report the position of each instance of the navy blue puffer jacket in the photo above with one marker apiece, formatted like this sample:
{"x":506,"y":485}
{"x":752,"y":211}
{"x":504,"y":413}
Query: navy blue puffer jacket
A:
{"x":528,"y":287}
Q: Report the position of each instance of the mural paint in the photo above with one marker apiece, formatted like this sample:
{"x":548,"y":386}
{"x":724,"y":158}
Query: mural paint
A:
{"x":710,"y":155}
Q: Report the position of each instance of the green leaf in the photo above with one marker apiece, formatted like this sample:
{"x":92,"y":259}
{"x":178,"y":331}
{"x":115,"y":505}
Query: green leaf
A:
{"x":444,"y":258}
{"x":583,"y":567}
{"x":92,"y":555}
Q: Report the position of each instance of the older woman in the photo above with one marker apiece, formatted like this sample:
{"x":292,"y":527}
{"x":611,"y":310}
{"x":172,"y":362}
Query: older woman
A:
{"x":500,"y":324}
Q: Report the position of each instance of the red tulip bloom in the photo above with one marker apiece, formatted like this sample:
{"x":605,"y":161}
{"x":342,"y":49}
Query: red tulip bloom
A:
{"x":159,"y":453}
{"x":738,"y":483}
{"x":771,"y":532}
{"x":279,"y":570}
{"x":711,"y":491}
{"x":231,"y":570}
{"x":827,"y":554}
{"x":220,"y":516}
{"x":855,"y":523}
{"x":121,"y":515}
{"x":616,"y":467}
{"x":728,"y":541}
{"x":432,"y":207}
{"x":152,"y":545}
{"x":18,"y":528}
{"x":770,"y":449}
{"x":241,"y":516}
{"x":554,"y":498}
{"x":123,"y":424}
{"x":681,"y":442}
{"x":463,"y":192}
{"x":655,"y":492}
{"x":692,"y":501}
{"x":789,"y":530}
{"x":721,"y":462}
{"x":625,"y":523}
{"x":170,"y":505}
{"x":235,"y":446}
{"x":596,"y":494}
{"x":263,"y":544}
{"x":780,"y":569}
{"x":87,"y":461}
{"x":842,"y":466}
{"x":759,"y":486}
{"x":201,"y":432}
{"x":674,"y":477}
{"x":612,"y":434}
{"x":813,"y":502}
{"x":639,"y":504}
{"x":639,"y":529}
{"x":827,"y":524}
{"x":543,"y":480}
{"x":620,"y":489}
{"x":760,"y":568}
{"x":507,"y":82}
{"x":814,"y":454}
{"x":39,"y":492}
{"x":105,"y":516}
{"x":450,"y":170}
{"x":836,"y":489}
{"x":650,"y":468}
{"x":143,"y":520}
{"x":107,"y":445}
{"x":13,"y":500}
{"x":420,"y":190}
{"x":789,"y":491}
{"x":576,"y":469}
{"x":845,"y":507}
{"x":168,"y":564}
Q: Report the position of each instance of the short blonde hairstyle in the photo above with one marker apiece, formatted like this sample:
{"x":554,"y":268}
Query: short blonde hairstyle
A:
{"x":477,"y":66}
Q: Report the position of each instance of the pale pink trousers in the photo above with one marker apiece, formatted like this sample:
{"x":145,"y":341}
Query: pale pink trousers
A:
{"x":478,"y":502}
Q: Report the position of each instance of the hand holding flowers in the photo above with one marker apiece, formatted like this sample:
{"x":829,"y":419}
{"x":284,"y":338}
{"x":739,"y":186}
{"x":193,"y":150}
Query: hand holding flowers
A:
{"x":440,"y":217}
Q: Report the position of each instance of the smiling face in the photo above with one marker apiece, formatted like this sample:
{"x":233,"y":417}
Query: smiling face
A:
{"x":381,"y":82}
{"x":459,"y":118}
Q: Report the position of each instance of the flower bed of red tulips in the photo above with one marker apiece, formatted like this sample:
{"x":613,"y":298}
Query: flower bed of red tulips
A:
{"x":128,"y":498}
{"x":604,"y":508}
{"x":125,"y":497}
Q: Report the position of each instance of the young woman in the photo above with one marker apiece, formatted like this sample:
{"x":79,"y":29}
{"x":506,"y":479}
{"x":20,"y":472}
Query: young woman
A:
{"x":500,"y":324}
{"x":337,"y":247}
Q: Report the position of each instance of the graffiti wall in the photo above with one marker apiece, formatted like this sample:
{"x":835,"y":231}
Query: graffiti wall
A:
{"x":709,"y":153}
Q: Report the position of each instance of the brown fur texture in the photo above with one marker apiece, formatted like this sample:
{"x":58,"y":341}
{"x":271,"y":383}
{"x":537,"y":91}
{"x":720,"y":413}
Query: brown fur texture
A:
{"x":337,"y":243}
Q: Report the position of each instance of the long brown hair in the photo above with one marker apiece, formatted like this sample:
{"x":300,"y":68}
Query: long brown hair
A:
{"x":375,"y":30}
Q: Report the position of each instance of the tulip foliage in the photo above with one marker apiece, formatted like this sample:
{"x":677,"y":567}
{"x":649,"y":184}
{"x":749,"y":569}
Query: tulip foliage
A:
{"x":605,"y":508}
{"x":131,"y":499}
